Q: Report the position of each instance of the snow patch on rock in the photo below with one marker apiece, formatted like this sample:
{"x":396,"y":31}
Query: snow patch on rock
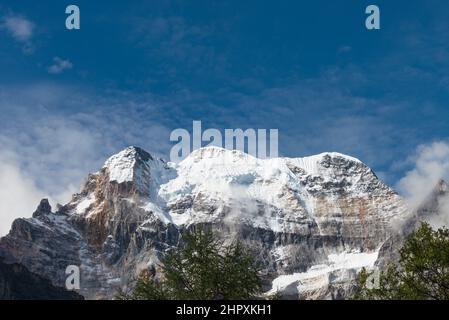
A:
{"x":321,"y":276}
{"x":121,"y":165}
{"x":84,"y":204}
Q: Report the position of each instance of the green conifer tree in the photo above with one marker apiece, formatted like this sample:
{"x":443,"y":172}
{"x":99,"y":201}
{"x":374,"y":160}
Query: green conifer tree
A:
{"x":203,"y":268}
{"x":422,"y":272}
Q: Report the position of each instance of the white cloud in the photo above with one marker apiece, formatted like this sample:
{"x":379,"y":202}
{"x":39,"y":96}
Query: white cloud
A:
{"x":431,"y":163}
{"x":18,"y":27}
{"x":19,"y":195}
{"x":59,"y":65}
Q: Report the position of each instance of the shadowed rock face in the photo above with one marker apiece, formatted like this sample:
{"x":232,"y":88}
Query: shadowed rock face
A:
{"x":17,"y":283}
{"x":296,"y":215}
{"x":43,"y":209}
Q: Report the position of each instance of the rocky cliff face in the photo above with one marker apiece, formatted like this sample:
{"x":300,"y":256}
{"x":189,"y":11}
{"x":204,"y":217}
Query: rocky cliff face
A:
{"x":313,"y":221}
{"x":17,"y":283}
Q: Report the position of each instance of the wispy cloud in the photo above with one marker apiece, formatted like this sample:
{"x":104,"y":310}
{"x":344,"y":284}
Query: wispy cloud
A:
{"x":184,"y":49}
{"x":20,"y":29}
{"x":59,"y":65}
{"x":314,"y":115}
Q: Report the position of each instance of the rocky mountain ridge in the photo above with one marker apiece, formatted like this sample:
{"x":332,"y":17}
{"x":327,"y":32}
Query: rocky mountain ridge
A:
{"x":313,"y":221}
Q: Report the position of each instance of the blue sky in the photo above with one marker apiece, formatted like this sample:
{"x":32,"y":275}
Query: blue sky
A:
{"x":138,"y":69}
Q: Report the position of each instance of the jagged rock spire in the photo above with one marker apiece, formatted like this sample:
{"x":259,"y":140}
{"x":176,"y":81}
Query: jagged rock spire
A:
{"x":43,"y":208}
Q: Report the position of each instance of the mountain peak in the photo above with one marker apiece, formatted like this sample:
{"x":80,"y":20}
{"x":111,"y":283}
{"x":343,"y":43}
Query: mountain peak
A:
{"x":336,"y":155}
{"x":138,"y":167}
{"x":43,"y":208}
{"x":134,"y":152}
{"x":122,"y":165}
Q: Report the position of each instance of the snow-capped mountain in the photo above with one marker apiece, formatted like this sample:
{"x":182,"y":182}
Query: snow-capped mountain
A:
{"x":313,"y":221}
